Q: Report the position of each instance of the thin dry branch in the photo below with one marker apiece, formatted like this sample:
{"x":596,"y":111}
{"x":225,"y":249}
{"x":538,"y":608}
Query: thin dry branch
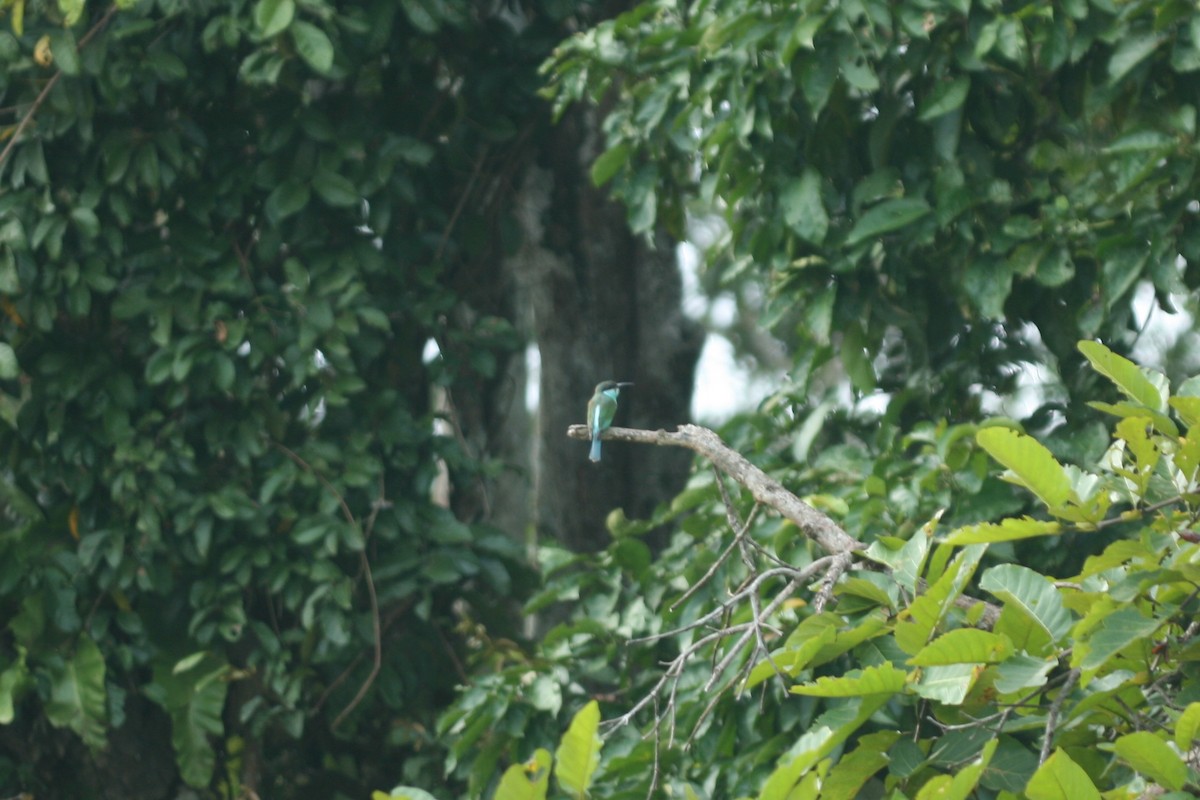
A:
{"x":826,"y":533}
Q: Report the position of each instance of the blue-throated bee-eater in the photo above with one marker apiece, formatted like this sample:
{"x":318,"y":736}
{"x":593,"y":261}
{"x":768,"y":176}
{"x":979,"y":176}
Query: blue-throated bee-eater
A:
{"x":601,"y":410}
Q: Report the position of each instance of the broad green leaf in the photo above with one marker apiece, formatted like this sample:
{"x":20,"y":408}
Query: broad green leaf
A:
{"x":418,"y":14}
{"x":845,"y":781}
{"x":286,"y":199}
{"x":1127,"y":410}
{"x":528,"y":781}
{"x":803,"y":210}
{"x":78,"y":699}
{"x":1022,"y":672}
{"x":819,"y":740}
{"x":1060,"y":778}
{"x":273,"y":16}
{"x":1127,"y":376}
{"x":609,"y":163}
{"x":1030,"y":462}
{"x":948,"y":684}
{"x":1131,"y":51}
{"x":963,"y":646}
{"x":1031,"y":595}
{"x":578,"y":754}
{"x":1005,"y":531}
{"x":1154,"y":758}
{"x":965,"y":779}
{"x":918,"y":623}
{"x":888,"y":216}
{"x":195,"y":700}
{"x":1188,"y":409}
{"x":313,"y":45}
{"x":336,"y":190}
{"x":882,"y":679}
{"x":904,"y":557}
{"x":1187,"y":728}
{"x":65,"y":50}
{"x":1119,"y":630}
{"x":945,"y":97}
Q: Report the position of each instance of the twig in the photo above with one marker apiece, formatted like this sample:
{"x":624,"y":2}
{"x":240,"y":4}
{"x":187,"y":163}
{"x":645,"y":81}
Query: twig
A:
{"x":1055,"y":710}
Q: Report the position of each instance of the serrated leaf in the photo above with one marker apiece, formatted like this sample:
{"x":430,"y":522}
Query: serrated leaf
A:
{"x":1033,"y":465}
{"x":884,"y":678}
{"x":945,"y":97}
{"x":1154,"y":758}
{"x":1126,"y":375}
{"x":888,"y":216}
{"x":1005,"y":531}
{"x":963,"y":646}
{"x":578,"y":754}
{"x":802,"y":208}
{"x":273,"y":16}
{"x":313,"y":45}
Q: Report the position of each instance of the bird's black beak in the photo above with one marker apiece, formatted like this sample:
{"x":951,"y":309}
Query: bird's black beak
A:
{"x":625,"y":383}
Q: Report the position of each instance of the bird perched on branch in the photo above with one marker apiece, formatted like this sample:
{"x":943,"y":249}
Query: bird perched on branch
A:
{"x":601,"y":410}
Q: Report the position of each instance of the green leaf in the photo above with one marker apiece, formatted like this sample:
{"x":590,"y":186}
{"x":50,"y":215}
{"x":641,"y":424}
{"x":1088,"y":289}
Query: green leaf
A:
{"x":803,"y":210}
{"x":1005,"y":531}
{"x":945,"y":97}
{"x":947,"y":684}
{"x":1187,"y":728}
{"x":9,"y":368}
{"x":1131,"y":51}
{"x":1119,"y":630}
{"x":273,"y":16}
{"x":194,"y":698}
{"x":1128,"y":377}
{"x":78,"y":699}
{"x":963,"y":646}
{"x":846,"y":780}
{"x":286,"y":199}
{"x":12,"y":680}
{"x":420,"y":16}
{"x":313,"y":45}
{"x":335,"y":189}
{"x":71,"y":10}
{"x":578,"y":754}
{"x":65,"y":50}
{"x":1154,"y":758}
{"x":1030,"y":594}
{"x":884,"y":678}
{"x":1022,"y":672}
{"x":1030,"y":462}
{"x":1060,"y":778}
{"x":528,"y":781}
{"x":888,"y":216}
{"x":609,"y":163}
{"x":918,"y":623}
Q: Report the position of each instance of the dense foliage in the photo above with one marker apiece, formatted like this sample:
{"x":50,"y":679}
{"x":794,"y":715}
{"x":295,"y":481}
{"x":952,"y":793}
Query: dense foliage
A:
{"x":226,"y":231}
{"x":912,"y":181}
{"x":907,"y":684}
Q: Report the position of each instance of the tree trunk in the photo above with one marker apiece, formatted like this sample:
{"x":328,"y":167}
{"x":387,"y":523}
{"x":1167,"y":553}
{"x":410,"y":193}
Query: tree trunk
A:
{"x":605,"y":306}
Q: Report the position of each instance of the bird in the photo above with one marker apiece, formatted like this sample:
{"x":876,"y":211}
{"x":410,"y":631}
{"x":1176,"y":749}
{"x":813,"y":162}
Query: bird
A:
{"x":601,"y":410}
